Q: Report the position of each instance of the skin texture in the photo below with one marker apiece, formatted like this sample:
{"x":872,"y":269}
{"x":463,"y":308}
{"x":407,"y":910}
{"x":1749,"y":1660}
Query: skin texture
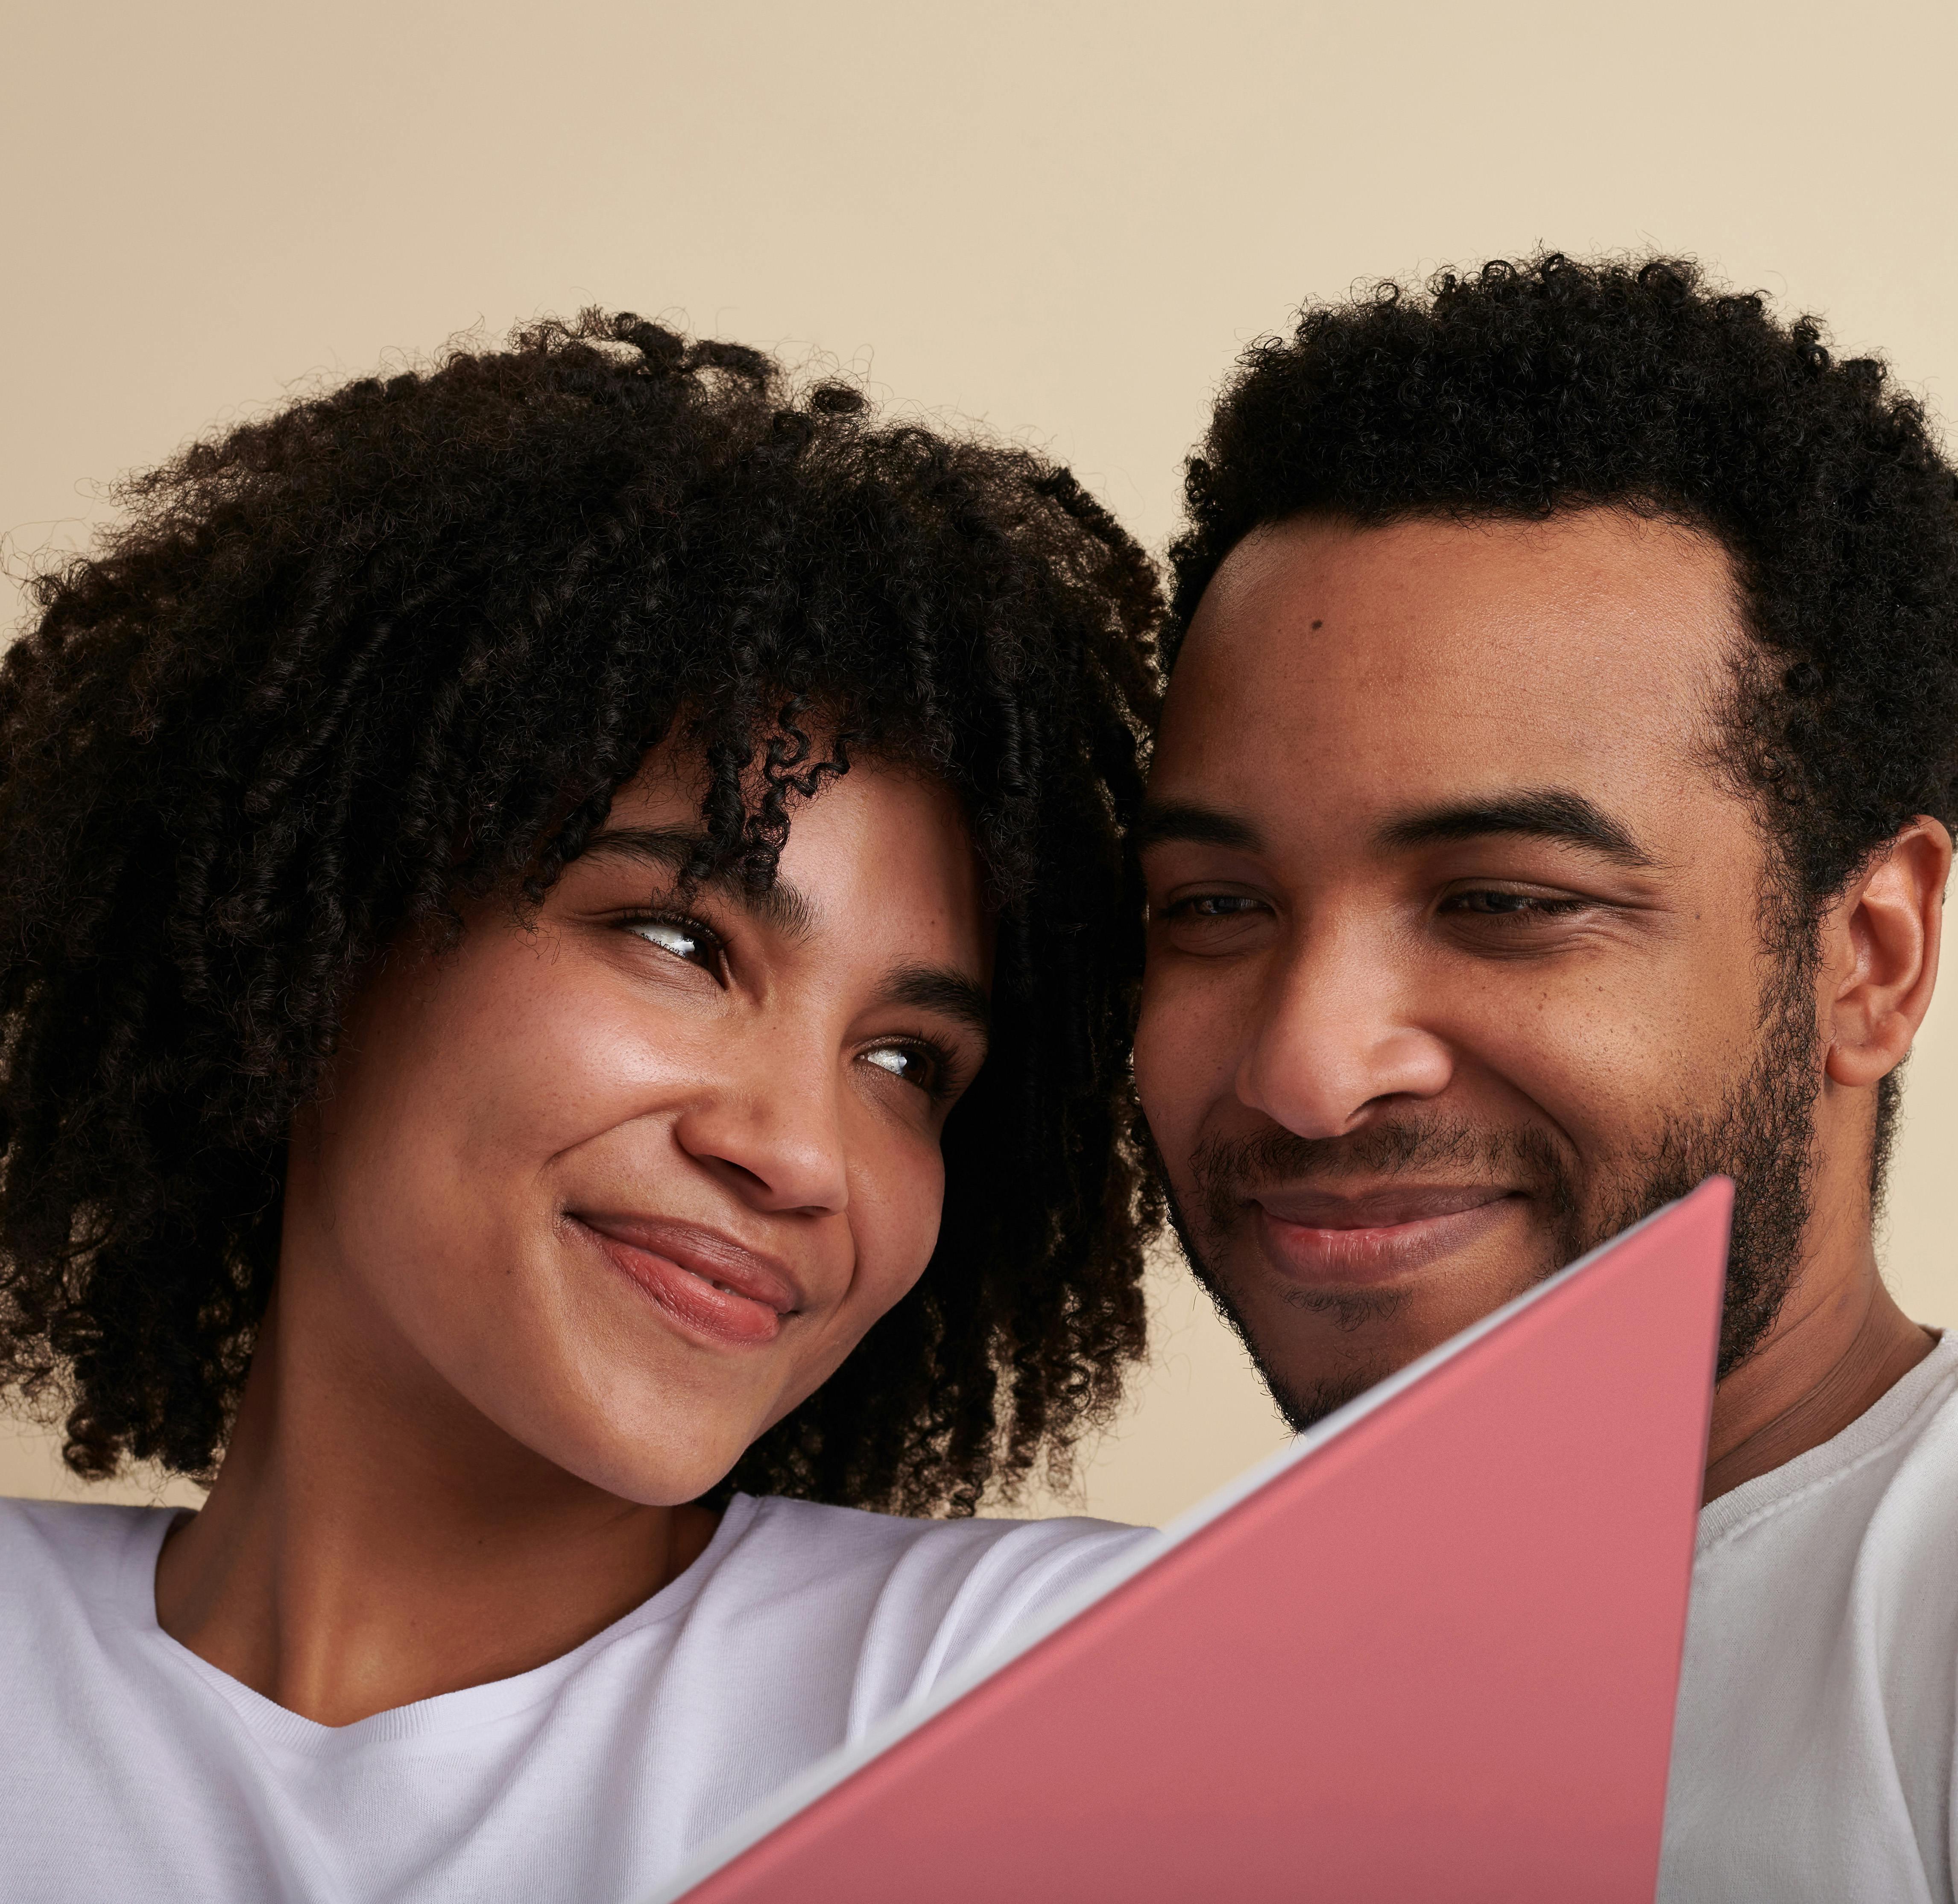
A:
{"x":1337,"y":953}
{"x":486,"y":1393}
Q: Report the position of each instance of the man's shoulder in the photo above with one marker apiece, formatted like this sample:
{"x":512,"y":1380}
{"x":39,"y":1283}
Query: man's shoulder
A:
{"x":1813,"y":1750}
{"x":1823,"y":1594}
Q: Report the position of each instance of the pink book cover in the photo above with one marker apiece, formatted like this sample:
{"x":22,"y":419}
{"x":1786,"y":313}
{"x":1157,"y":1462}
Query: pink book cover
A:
{"x":1429,"y":1652}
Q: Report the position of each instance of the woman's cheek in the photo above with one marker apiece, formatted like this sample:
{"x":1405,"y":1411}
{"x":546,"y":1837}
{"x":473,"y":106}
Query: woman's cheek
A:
{"x":898,"y":1222}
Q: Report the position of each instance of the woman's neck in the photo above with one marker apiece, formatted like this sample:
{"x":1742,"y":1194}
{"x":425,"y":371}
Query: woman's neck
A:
{"x":372,"y":1540}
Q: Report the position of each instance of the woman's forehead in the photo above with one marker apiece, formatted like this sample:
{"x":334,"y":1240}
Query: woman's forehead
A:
{"x":884,"y":849}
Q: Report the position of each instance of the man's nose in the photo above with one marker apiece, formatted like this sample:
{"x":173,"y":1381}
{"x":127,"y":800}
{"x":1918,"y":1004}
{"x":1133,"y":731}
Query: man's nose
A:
{"x":771,"y":1125}
{"x":1338,"y":1033}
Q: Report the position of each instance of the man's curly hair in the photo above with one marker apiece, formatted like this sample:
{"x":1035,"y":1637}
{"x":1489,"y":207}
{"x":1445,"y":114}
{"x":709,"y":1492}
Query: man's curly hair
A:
{"x":1527,"y":388}
{"x":398,"y":647}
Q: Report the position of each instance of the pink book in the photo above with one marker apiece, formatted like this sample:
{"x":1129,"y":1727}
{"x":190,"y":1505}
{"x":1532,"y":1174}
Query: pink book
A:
{"x":1429,"y":1652}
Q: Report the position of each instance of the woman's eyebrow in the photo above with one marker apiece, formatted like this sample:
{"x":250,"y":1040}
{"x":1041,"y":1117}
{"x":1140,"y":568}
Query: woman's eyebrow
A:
{"x":781,"y":905}
{"x":938,"y":988}
{"x":926,"y":988}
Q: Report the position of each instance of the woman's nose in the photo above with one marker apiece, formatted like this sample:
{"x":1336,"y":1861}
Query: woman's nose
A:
{"x":771,"y":1125}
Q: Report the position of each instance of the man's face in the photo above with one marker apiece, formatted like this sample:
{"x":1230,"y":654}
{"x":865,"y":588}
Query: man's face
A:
{"x":1457,"y":961}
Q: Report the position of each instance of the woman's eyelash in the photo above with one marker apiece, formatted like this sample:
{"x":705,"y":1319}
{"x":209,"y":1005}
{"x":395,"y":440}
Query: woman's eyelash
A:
{"x":680,"y":935}
{"x":941,"y":1064}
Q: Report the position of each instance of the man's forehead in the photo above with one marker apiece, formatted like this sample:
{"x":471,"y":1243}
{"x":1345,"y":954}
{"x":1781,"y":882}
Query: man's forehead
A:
{"x":1435,"y":656}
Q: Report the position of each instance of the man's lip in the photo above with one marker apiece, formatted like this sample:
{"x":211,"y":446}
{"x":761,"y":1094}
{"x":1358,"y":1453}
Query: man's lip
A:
{"x":1315,"y":1242}
{"x":1383,"y":1208}
{"x":703,"y":1277}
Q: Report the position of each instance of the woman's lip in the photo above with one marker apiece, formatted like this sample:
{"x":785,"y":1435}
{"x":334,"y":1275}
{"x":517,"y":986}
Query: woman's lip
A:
{"x":705,"y":1282}
{"x":1368,"y":1241}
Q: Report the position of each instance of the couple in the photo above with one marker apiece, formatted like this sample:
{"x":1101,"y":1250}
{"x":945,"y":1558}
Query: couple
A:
{"x":574,"y":923}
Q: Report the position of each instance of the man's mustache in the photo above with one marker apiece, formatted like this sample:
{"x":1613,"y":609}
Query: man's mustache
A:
{"x":1229,"y":1172}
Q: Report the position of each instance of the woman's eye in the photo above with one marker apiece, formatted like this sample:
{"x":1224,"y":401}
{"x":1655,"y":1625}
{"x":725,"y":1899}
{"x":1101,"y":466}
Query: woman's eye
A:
{"x":684,"y":938}
{"x":904,"y":1061}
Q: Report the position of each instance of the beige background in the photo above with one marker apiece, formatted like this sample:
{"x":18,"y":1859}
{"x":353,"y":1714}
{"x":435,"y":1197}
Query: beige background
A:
{"x":1064,"y":219}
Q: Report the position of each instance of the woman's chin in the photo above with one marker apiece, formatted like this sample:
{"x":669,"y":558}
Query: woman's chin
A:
{"x":654,"y":1468}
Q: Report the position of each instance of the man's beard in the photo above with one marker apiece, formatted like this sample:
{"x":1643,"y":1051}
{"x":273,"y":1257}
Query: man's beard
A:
{"x":1761,"y":1135}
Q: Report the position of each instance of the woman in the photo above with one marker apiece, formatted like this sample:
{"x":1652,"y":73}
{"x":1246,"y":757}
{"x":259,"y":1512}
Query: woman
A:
{"x":542,"y":899}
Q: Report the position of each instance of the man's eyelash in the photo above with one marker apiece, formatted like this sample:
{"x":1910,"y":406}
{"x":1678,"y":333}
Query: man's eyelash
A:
{"x":1530,"y":906}
{"x":1230,"y":905}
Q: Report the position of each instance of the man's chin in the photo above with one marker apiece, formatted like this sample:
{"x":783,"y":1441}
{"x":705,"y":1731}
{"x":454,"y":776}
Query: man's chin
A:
{"x":1310,"y":1395}
{"x":1316,"y":1349}
{"x":1303,"y":1407}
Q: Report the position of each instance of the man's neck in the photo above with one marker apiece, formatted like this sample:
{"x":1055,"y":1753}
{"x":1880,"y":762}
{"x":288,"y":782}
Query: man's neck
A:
{"x":1840,"y":1343}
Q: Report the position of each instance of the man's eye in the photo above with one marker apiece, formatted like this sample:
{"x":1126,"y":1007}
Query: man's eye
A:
{"x":1212,"y":905}
{"x":686,"y":939}
{"x":1490,"y":904}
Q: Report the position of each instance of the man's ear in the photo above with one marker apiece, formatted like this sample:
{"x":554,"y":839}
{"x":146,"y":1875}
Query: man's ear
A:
{"x":1880,"y":943}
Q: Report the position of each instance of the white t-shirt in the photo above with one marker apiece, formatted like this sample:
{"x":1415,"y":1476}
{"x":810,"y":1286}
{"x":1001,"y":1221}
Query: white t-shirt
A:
{"x":132,"y":1771}
{"x":1812,"y":1762}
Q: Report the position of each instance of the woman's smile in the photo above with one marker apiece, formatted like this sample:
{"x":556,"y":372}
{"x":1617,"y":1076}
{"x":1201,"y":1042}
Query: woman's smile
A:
{"x":710,"y":1285}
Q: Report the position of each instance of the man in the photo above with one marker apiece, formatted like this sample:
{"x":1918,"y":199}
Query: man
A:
{"x":1551,"y":808}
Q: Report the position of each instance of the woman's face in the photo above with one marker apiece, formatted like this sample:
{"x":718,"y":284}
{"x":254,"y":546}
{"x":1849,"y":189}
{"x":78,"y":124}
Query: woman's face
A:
{"x":630,"y":1178}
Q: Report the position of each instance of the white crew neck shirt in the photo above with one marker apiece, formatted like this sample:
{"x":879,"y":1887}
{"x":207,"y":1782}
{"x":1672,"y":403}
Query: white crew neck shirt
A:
{"x":132,"y":1771}
{"x":1812,"y":1762}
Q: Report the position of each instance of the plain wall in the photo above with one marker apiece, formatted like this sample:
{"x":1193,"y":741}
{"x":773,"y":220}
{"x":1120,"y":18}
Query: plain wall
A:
{"x":1064,"y":220}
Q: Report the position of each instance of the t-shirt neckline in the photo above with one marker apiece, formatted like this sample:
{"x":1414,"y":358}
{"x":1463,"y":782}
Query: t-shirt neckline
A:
{"x":467,"y":1707}
{"x":1874,"y":1430}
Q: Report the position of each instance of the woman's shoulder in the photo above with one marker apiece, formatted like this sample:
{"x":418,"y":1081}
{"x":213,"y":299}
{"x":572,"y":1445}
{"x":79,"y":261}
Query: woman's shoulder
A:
{"x":71,"y":1546}
{"x":829,"y":1539}
{"x":918,"y":1597}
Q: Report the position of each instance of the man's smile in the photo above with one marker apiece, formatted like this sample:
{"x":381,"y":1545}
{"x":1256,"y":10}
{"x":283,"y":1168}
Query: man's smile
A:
{"x":1318,"y":1239}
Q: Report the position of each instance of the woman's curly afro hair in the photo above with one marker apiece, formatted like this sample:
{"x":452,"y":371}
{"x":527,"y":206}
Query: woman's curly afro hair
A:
{"x":396,"y":648}
{"x":1526,"y":388}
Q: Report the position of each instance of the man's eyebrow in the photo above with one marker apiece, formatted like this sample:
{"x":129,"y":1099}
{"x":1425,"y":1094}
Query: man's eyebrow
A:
{"x":781,"y":905}
{"x":938,"y":988}
{"x":1541,"y":813}
{"x":1162,"y":821}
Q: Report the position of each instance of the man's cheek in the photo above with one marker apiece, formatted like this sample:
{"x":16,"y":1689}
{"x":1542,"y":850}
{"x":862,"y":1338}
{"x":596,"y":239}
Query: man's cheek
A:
{"x":1594,"y":1091}
{"x":1150,"y":1068}
{"x":1185,"y":1054}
